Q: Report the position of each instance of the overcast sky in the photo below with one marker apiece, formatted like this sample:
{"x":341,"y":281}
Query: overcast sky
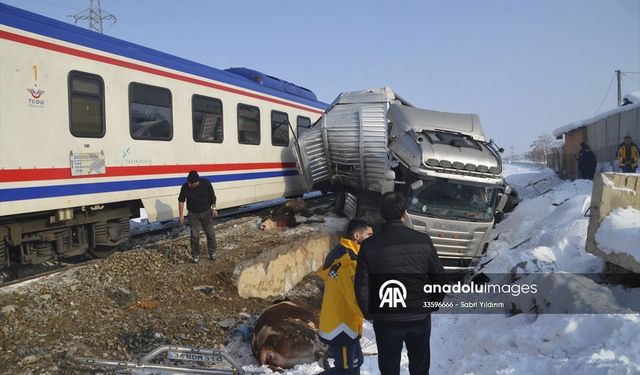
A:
{"x":526,"y":67}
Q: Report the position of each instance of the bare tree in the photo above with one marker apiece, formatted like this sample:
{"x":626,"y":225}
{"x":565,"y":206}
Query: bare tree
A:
{"x":540,"y":148}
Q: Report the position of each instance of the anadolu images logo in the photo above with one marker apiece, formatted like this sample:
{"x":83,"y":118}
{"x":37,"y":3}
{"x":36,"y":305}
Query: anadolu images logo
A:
{"x":393,"y":293}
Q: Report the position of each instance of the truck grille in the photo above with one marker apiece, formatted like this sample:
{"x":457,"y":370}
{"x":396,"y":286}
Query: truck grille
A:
{"x":455,"y":243}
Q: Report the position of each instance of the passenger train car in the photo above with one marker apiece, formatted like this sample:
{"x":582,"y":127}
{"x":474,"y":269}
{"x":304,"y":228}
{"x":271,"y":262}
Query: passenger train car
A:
{"x":93,"y":128}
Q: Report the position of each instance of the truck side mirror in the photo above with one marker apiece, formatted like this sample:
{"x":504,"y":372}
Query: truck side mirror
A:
{"x":502,"y":201}
{"x":503,"y":197}
{"x":416,"y":185}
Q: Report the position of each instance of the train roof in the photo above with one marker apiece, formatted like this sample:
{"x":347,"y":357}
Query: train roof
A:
{"x":242,"y":77}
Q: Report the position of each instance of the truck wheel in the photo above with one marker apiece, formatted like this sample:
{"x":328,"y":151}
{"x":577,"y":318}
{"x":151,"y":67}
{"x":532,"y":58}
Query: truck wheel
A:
{"x":368,"y":204}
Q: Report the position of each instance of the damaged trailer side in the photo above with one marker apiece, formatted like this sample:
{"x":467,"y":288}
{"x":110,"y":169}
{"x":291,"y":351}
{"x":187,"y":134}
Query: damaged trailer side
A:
{"x":373,"y":141}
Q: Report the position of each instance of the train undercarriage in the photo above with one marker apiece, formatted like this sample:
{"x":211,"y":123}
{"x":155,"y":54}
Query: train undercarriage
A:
{"x":38,"y":237}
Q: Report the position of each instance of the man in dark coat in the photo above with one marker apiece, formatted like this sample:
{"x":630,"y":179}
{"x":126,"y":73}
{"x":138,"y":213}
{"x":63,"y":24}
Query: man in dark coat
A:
{"x":586,"y":162}
{"x":398,"y":250}
{"x":201,"y":204}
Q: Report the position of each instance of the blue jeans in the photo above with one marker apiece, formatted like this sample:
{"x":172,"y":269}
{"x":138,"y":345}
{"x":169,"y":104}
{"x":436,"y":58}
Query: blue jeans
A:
{"x":348,"y":359}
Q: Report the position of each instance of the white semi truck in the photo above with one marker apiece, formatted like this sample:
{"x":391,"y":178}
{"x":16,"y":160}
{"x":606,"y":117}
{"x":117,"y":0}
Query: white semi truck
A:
{"x":373,"y":141}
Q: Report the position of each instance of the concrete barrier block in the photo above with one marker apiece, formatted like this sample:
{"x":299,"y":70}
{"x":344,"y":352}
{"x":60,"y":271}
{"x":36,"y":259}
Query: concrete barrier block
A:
{"x":610,"y":191}
{"x":278,"y":270}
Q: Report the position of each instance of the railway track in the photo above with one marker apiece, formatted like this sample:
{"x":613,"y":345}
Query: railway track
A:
{"x":155,"y":233}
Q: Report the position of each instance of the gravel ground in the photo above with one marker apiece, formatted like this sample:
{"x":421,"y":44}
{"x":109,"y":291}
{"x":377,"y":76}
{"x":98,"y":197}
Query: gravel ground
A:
{"x":123,"y":306}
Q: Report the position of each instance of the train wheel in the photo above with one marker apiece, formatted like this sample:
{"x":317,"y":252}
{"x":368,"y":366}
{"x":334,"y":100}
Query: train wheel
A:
{"x":107,"y":235}
{"x":102,"y":251}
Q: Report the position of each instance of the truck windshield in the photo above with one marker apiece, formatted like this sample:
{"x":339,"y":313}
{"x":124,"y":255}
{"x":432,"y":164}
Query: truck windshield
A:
{"x":451,"y":200}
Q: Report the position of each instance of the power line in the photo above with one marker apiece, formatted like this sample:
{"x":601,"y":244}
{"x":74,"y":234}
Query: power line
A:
{"x":606,"y":94}
{"x":95,"y":15}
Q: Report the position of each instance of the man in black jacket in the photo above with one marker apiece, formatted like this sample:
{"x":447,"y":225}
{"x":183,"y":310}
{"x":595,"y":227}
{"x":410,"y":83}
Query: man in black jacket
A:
{"x":586,"y":162}
{"x":201,"y":204}
{"x":398,"y":250}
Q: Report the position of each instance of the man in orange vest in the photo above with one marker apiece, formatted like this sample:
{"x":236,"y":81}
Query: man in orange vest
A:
{"x":340,"y":317}
{"x":628,"y":155}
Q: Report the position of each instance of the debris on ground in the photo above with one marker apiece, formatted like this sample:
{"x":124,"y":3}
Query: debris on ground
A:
{"x":126,"y":305}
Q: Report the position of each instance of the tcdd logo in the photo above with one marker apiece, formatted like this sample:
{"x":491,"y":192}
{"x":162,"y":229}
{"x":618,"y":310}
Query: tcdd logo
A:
{"x":36,"y":99}
{"x":393,"y":293}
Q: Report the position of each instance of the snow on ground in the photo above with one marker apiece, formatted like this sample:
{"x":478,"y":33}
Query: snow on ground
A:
{"x":550,"y":230}
{"x":529,"y":179}
{"x":546,"y":233}
{"x":618,"y":232}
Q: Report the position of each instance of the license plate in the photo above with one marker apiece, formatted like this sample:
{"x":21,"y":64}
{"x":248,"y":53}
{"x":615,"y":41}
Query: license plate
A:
{"x":192,"y":357}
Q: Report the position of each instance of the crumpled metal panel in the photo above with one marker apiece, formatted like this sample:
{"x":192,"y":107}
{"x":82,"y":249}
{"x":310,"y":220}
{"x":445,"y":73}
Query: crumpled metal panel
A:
{"x":311,"y":157}
{"x":357,"y":143}
{"x":375,"y":152}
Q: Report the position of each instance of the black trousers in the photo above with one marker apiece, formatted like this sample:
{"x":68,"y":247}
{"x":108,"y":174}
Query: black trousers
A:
{"x":391,"y":335}
{"x":200,"y":222}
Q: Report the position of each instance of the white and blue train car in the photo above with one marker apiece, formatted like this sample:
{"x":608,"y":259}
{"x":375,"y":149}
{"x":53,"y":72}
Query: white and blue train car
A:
{"x":93,"y":128}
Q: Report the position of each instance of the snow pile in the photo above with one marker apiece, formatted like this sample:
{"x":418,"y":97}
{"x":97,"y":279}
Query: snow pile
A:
{"x":545,"y":234}
{"x":550,"y":344}
{"x":530,"y":180}
{"x":619,"y":232}
{"x":566,"y":293}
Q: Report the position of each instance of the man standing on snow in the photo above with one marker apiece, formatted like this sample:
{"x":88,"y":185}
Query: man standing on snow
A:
{"x":340,"y":317}
{"x":586,"y":162}
{"x":201,"y":204}
{"x":401,"y":251}
{"x":628,"y":155}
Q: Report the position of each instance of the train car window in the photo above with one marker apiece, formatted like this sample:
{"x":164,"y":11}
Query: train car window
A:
{"x":150,"y":112}
{"x":279,"y":128}
{"x":248,"y":124}
{"x":302,"y":124}
{"x":207,"y":119}
{"x":86,"y":105}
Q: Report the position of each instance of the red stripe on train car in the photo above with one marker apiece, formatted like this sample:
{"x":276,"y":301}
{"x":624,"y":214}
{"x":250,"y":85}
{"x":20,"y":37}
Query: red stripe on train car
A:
{"x":41,"y":174}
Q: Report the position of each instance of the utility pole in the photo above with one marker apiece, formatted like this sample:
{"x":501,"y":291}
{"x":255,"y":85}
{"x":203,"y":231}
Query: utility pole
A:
{"x":511,"y":153}
{"x":95,"y":15}
{"x":619,"y":79}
